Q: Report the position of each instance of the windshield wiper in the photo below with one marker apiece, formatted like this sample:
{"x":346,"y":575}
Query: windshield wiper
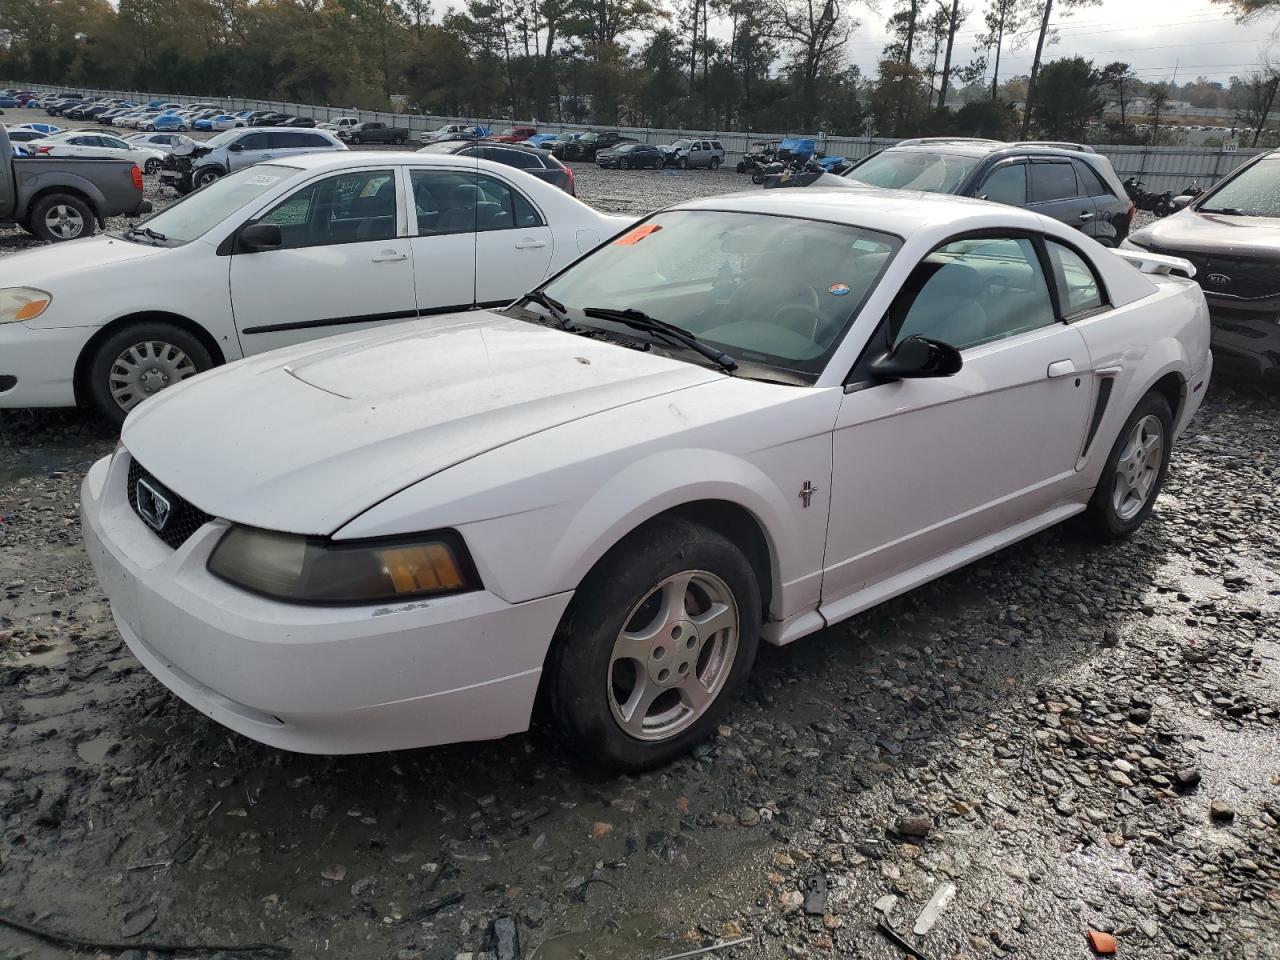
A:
{"x":153,"y":235}
{"x":557,"y":309}
{"x":1226,"y":211}
{"x":639,"y":320}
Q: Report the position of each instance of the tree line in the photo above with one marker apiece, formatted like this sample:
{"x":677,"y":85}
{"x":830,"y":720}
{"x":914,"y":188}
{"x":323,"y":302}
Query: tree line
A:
{"x":698,"y":64}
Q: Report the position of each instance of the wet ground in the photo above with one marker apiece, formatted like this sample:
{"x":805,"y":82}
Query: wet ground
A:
{"x":1074,"y":737}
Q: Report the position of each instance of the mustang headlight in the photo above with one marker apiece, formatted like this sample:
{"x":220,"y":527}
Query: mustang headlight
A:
{"x":315,"y":570}
{"x":22,"y":303}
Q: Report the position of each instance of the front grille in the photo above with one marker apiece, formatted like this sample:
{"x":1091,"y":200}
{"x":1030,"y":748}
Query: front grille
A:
{"x":183,"y":519}
{"x":1246,"y":278}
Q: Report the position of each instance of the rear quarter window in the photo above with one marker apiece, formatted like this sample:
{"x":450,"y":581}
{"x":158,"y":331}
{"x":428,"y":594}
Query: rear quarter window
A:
{"x":1051,"y":181}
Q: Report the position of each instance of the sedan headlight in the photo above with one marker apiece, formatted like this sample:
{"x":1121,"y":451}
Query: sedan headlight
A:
{"x":22,"y":303}
{"x":316,"y":570}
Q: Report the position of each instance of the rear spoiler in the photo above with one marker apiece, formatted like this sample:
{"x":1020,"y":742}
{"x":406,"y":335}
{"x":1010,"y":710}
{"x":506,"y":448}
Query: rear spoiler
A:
{"x":1157,"y":263}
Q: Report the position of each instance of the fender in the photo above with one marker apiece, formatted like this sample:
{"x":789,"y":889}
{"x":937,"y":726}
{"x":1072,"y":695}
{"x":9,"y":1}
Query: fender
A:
{"x":31,"y":187}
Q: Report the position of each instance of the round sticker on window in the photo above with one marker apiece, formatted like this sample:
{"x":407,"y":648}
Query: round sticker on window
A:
{"x":838,"y":289}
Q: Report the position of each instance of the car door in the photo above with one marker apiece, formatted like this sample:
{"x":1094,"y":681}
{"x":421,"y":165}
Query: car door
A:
{"x":923,"y":467}
{"x":1109,"y":210}
{"x":443,"y":205}
{"x":513,"y":242}
{"x":698,"y":155}
{"x":344,"y":263}
{"x":1052,"y":190}
{"x":250,"y":149}
{"x":1005,"y":183}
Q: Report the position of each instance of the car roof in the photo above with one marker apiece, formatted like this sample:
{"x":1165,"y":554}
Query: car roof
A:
{"x":898,"y":212}
{"x":343,"y":158}
{"x":974,"y":147}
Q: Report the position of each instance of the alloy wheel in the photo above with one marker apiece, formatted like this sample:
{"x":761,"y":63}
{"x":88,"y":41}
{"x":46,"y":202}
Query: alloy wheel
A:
{"x":147,"y":368}
{"x":1138,"y":468}
{"x":674,"y":655}
{"x":64,"y":222}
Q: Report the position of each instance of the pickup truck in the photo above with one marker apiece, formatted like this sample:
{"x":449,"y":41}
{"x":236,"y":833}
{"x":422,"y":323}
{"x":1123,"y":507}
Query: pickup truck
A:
{"x":374,"y":132}
{"x":60,"y":198}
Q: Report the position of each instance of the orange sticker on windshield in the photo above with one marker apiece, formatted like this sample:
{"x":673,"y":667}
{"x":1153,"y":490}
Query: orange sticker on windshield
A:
{"x":632,"y":237}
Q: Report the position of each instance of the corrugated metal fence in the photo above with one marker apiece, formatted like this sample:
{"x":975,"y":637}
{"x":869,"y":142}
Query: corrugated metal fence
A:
{"x":1161,"y":168}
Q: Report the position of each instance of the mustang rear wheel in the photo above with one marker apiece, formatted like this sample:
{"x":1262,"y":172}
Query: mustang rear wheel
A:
{"x":1135,"y":470}
{"x":141,"y":360}
{"x":658,"y":641}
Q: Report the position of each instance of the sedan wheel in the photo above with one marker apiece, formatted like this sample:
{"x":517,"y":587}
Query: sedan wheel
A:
{"x":152,"y":165}
{"x":658,"y":639}
{"x":138,"y":362}
{"x":1135,"y":470}
{"x":624,"y":165}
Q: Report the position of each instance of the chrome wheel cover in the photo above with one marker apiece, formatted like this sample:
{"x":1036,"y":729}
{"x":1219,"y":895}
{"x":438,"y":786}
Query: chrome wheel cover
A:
{"x":673,"y":656}
{"x":147,"y":368}
{"x":64,"y":222}
{"x":1138,"y":468}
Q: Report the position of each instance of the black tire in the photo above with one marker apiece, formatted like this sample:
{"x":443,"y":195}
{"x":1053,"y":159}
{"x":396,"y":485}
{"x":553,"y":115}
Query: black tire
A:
{"x":204,"y":176}
{"x":578,"y":674}
{"x":624,"y":165}
{"x":99,"y":370}
{"x":1103,"y":518}
{"x":355,"y":139}
{"x":757,"y":177}
{"x":683,"y":163}
{"x":151,"y":166}
{"x":715,"y":163}
{"x":60,"y":216}
{"x":741,"y":167}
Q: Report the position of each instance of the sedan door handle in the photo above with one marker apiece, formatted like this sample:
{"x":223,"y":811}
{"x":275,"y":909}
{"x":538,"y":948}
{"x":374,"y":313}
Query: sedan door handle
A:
{"x":1062,"y":368}
{"x":390,"y":256}
{"x":1086,"y":216}
{"x":529,"y":244}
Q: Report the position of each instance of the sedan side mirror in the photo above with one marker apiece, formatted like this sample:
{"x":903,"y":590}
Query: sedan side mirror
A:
{"x":917,"y":357}
{"x":1180,"y":202}
{"x":260,"y":236}
{"x":236,"y":146}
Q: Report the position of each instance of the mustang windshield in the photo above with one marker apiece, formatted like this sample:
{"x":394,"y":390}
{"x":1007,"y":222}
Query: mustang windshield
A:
{"x":199,"y":212}
{"x":768,"y":290}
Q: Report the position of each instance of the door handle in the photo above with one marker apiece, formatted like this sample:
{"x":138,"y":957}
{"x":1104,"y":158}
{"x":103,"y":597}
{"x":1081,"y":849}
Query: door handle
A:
{"x":529,"y":244}
{"x":390,"y":256}
{"x":1086,"y":216}
{"x":1062,"y":368}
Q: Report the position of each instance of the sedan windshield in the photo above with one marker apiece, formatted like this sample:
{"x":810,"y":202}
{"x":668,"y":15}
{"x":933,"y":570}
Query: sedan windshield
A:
{"x":770,"y":291}
{"x":199,"y":212}
{"x":1255,"y":193}
{"x":914,"y":170}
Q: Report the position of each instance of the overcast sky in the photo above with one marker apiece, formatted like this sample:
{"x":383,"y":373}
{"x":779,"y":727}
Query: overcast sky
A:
{"x":1153,"y":35}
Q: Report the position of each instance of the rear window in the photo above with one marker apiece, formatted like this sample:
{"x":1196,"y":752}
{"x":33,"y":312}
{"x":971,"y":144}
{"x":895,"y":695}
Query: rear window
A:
{"x":1052,"y":181}
{"x":1090,"y":182}
{"x":914,"y":170}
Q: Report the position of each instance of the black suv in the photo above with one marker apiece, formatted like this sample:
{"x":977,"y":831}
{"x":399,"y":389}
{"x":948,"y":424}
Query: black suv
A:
{"x":1066,"y":181}
{"x":585,"y":146}
{"x":529,"y":159}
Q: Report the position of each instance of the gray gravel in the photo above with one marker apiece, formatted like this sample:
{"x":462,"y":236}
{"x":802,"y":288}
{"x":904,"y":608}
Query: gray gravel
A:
{"x":1075,"y":736}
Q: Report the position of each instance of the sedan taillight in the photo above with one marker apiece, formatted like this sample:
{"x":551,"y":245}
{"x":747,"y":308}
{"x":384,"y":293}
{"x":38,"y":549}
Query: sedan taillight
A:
{"x":44,"y":150}
{"x":137,"y":178}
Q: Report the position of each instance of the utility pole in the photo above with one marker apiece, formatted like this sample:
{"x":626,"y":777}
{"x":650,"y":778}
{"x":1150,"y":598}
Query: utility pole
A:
{"x":1035,"y":69}
{"x":946,"y":61}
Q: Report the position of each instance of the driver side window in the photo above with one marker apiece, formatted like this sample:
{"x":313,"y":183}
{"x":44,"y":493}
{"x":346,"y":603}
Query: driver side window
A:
{"x":970,"y":292}
{"x":347,"y":208}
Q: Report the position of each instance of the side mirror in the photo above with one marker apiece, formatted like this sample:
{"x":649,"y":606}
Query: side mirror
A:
{"x":1180,"y":202}
{"x":260,"y":236}
{"x":917,"y":357}
{"x":237,"y":147}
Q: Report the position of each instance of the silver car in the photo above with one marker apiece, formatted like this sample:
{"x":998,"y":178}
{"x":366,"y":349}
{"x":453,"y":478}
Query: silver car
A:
{"x":688,"y":153}
{"x":187,"y":169}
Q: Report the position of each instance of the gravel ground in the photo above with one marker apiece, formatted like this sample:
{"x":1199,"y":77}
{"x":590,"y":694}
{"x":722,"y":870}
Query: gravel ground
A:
{"x":1071,"y":736}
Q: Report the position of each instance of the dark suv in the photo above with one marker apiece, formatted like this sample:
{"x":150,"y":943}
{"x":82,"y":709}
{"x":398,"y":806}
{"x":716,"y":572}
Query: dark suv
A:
{"x":1231,"y":235}
{"x":1065,"y":181}
{"x":585,"y":146}
{"x":529,"y":159}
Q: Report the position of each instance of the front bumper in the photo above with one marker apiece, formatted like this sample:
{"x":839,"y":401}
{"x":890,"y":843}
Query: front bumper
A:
{"x":38,"y":365}
{"x":1246,"y":337}
{"x":332,"y":679}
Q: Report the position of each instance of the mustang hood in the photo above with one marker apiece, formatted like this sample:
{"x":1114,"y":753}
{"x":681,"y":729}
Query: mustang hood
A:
{"x":304,"y":439}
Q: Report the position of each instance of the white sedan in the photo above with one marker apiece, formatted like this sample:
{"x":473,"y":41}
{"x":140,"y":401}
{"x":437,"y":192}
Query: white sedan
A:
{"x":91,"y":143}
{"x":300,"y":247}
{"x":747,"y":417}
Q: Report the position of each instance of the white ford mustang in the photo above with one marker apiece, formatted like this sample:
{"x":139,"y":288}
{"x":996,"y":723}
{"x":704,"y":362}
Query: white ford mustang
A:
{"x":304,"y":246}
{"x":745,"y":417}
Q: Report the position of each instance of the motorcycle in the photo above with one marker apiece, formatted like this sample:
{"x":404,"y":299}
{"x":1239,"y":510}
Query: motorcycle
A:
{"x":1161,"y":204}
{"x":762,"y":153}
{"x":795,"y":172}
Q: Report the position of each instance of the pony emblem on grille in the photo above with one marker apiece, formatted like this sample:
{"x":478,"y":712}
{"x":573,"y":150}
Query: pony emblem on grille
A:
{"x":153,"y":506}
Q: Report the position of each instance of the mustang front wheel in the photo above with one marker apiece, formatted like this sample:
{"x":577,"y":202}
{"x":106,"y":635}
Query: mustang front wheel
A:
{"x":657,"y":643}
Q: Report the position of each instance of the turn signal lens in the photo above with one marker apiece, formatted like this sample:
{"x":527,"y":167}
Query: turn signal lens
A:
{"x":314,"y":570}
{"x":22,"y":303}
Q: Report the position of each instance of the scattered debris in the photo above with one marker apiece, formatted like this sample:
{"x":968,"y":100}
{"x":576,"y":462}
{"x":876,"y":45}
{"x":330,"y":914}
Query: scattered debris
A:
{"x":80,"y":943}
{"x":1101,"y":942}
{"x":898,"y":940}
{"x":815,"y":896}
{"x":505,"y":939}
{"x":915,"y":826}
{"x":723,"y":945}
{"x":945,"y":893}
{"x":1221,"y":811}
